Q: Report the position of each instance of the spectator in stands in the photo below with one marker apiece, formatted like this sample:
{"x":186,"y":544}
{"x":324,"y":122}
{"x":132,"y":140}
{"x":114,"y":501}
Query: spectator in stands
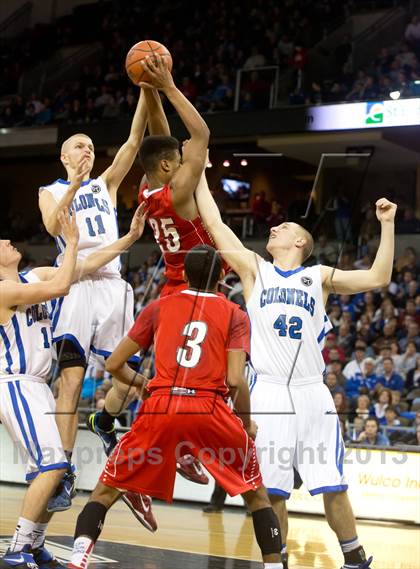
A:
{"x":332,"y":384}
{"x":412,"y":33}
{"x":256,"y":59}
{"x":363,"y":379}
{"x":343,"y":430}
{"x":363,"y":409}
{"x":390,"y":418}
{"x":336,"y":367}
{"x":356,"y":429}
{"x":340,"y":403}
{"x":331,"y":351}
{"x":390,"y":379}
{"x":413,"y":377}
{"x":384,"y":352}
{"x":409,"y":223}
{"x":335,"y":316}
{"x":354,"y":366}
{"x":411,"y":310}
{"x":407,"y":361}
{"x":407,"y":261}
{"x":385,"y":399}
{"x":277,"y":215}
{"x":411,"y":337}
{"x":345,"y":339}
{"x":324,"y":252}
{"x":389,"y":335}
{"x":369,"y":376}
{"x":371,"y":436}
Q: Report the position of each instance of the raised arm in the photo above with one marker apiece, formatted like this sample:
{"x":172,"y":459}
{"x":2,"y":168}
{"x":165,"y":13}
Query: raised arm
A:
{"x":187,"y":176}
{"x":156,"y":118}
{"x":14,"y":294}
{"x":50,"y":208}
{"x":379,"y":275}
{"x":242,"y":260}
{"x":106,"y":254}
{"x":126,"y":155}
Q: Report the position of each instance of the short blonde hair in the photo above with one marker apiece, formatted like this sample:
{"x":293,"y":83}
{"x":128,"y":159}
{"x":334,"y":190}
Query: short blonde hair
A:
{"x":65,"y":143}
{"x":309,"y":243}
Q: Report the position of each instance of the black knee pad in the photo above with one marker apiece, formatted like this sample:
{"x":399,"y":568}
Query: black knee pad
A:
{"x":267,"y":531}
{"x":68,"y":355}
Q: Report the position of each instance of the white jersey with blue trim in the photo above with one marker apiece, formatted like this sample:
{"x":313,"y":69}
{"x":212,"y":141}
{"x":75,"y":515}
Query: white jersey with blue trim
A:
{"x":288,"y":323}
{"x":26,"y":339}
{"x":96,"y":219}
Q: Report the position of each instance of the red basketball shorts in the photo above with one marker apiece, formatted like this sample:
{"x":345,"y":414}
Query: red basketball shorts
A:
{"x":170,"y":426}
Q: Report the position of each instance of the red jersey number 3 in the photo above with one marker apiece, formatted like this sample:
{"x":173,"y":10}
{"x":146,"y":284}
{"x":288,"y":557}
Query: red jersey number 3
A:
{"x":195,"y":333}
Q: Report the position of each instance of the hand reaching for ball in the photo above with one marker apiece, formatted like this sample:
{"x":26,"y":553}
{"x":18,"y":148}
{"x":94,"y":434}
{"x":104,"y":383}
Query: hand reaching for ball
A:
{"x":159,"y":75}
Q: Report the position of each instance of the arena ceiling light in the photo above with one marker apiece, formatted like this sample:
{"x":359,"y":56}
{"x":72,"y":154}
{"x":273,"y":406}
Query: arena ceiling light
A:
{"x":226,"y":163}
{"x":244,"y":162}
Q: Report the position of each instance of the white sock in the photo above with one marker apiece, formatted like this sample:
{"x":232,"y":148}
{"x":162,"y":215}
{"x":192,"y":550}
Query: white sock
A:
{"x":39,"y":535}
{"x":82,"y":548}
{"x":273,"y":565}
{"x":24,"y":535}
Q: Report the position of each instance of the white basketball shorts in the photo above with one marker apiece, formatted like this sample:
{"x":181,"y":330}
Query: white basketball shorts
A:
{"x":27,"y":411}
{"x":95,"y":315}
{"x":297,"y":427}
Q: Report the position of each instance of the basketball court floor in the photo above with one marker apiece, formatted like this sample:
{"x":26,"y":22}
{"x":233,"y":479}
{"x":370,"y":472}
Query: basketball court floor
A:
{"x":190,"y":539}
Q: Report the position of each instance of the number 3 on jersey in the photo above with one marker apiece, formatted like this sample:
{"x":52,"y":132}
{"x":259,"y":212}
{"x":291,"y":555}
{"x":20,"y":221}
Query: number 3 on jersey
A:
{"x":170,"y":233}
{"x":294,"y":326}
{"x":189,"y":355}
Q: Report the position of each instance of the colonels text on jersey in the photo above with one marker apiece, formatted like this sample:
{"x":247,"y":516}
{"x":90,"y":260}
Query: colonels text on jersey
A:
{"x":174,"y":234}
{"x":96,"y":219}
{"x":289,"y":322}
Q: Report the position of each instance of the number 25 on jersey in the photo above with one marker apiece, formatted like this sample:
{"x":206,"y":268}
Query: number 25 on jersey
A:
{"x":170,"y":233}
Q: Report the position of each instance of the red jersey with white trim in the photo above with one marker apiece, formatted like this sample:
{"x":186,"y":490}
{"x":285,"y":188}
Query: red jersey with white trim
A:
{"x":174,"y":234}
{"x":193,"y":333}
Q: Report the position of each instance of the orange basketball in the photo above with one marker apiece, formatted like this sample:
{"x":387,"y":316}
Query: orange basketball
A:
{"x":138,"y":52}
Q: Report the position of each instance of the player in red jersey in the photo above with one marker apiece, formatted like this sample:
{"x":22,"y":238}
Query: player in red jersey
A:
{"x":171,"y":182}
{"x":201,"y":342}
{"x":172,"y":211}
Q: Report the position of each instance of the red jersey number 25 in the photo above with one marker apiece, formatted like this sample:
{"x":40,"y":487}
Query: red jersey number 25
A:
{"x":169,"y":231}
{"x":195,"y":333}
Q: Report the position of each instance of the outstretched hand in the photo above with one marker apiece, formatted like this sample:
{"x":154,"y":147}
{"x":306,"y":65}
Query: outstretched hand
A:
{"x":159,"y":75}
{"x":138,"y":222}
{"x":385,"y":210}
{"x":82,"y":170}
{"x":69,"y":227}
